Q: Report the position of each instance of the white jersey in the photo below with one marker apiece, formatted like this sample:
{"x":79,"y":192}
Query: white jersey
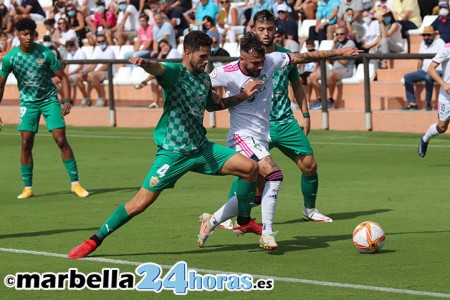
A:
{"x":442,"y":58}
{"x":251,"y":117}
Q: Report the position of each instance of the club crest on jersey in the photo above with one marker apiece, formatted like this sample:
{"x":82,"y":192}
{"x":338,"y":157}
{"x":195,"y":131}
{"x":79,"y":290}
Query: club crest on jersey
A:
{"x":39,"y":61}
{"x":213,"y":74}
{"x":154,"y":180}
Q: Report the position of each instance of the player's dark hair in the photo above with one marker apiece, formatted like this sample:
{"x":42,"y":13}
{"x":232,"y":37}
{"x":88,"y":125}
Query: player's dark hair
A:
{"x":196,"y":39}
{"x":70,"y":43}
{"x":25,"y":24}
{"x":250,"y":43}
{"x":263,"y":16}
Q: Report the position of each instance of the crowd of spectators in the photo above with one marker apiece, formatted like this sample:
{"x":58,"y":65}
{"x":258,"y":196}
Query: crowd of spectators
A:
{"x":155,"y":28}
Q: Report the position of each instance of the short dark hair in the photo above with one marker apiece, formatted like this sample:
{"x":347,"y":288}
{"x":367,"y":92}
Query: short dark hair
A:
{"x":145,"y":16}
{"x":70,"y":43}
{"x":348,"y":9}
{"x":196,"y":39}
{"x":250,"y":42}
{"x":25,"y":24}
{"x":50,"y":22}
{"x":46,"y":38}
{"x":263,"y":16}
{"x":310,"y":42}
{"x":209,"y":19}
{"x":280,"y":31}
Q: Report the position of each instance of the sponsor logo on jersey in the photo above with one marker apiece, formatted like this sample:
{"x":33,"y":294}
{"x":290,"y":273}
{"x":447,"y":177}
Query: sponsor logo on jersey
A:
{"x":39,"y":60}
{"x":154,"y":180}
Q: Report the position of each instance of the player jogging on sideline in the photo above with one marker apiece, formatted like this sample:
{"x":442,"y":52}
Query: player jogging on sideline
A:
{"x":249,"y":121}
{"x":34,"y":65}
{"x":182,"y":144}
{"x":442,"y":57}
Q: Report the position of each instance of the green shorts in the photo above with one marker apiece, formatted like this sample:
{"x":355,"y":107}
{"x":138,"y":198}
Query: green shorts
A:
{"x":30,"y":114}
{"x":169,"y":166}
{"x":290,"y":139}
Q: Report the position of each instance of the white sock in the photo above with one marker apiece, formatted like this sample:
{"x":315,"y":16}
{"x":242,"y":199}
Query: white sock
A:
{"x":74,"y":182}
{"x":431,"y":133}
{"x":227,"y":211}
{"x":269,"y":204}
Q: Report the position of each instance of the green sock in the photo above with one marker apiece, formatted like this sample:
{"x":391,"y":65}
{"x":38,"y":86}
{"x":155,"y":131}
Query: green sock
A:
{"x":310,"y":184}
{"x":27,"y":174}
{"x":245,"y":193}
{"x":71,"y":168}
{"x":114,"y":222}
{"x":233,"y":189}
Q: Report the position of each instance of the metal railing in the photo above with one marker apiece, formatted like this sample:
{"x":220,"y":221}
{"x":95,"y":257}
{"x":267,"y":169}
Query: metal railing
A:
{"x":325,"y":117}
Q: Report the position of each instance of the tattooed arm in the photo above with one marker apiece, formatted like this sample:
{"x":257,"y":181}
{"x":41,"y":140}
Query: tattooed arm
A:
{"x":307,"y":57}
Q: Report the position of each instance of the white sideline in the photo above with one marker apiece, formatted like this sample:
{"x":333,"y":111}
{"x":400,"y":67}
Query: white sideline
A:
{"x":283,"y":279}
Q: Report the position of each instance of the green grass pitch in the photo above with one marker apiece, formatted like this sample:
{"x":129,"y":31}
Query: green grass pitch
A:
{"x":363,"y":176}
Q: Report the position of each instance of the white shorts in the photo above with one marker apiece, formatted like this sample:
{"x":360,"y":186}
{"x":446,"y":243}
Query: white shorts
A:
{"x":249,"y":146}
{"x":443,"y":110}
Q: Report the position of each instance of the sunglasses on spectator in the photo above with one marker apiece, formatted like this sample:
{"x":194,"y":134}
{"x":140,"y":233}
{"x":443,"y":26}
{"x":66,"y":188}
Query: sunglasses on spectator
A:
{"x":223,"y":2}
{"x":59,"y":23}
{"x":281,"y":12}
{"x":427,"y":34}
{"x":215,"y":42}
{"x":339,"y":34}
{"x":101,"y":41}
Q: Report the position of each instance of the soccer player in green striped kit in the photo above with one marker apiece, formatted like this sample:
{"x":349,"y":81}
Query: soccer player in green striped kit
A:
{"x":285,"y":132}
{"x":34,"y":66}
{"x":182,"y":144}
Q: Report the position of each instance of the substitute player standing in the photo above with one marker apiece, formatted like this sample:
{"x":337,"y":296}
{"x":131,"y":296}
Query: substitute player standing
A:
{"x":442,"y":57}
{"x":182,"y":143}
{"x":249,"y":121}
{"x":34,"y":65}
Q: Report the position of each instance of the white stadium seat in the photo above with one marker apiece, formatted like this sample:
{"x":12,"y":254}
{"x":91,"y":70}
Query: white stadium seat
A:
{"x":123,"y":50}
{"x":303,"y":32}
{"x":138,"y":75}
{"x":358,"y":76}
{"x":427,"y":21}
{"x":326,"y":45}
{"x":232,"y":48}
{"x":88,"y":50}
{"x":123,"y":76}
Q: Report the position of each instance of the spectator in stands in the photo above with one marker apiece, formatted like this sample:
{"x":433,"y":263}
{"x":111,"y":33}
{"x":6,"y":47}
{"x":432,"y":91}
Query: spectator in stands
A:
{"x":162,"y":30}
{"x":127,"y":25}
{"x":391,"y":37}
{"x":6,"y":19}
{"x":87,"y":7}
{"x":216,"y":50}
{"x":407,"y":13}
{"x":154,"y":8}
{"x":5,"y":44}
{"x":95,"y":74}
{"x":257,"y":6}
{"x":51,"y":30}
{"x":281,"y":40}
{"x":72,"y":70}
{"x":442,"y":23}
{"x":47,"y":42}
{"x":209,"y":25}
{"x":326,"y":20}
{"x":204,"y":8}
{"x":175,"y":17}
{"x":59,"y":10}
{"x":64,"y":34}
{"x":342,"y":68}
{"x":104,"y":19}
{"x":355,"y":5}
{"x":30,"y":9}
{"x":166,"y":51}
{"x":76,"y":21}
{"x":348,"y":22}
{"x":284,"y":22}
{"x":372,"y":37}
{"x":290,"y":12}
{"x":306,"y":8}
{"x":233,"y":24}
{"x":430,"y":44}
{"x":144,"y":44}
{"x":307,"y":69}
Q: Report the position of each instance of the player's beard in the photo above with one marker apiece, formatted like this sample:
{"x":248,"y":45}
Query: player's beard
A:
{"x":197,"y":69}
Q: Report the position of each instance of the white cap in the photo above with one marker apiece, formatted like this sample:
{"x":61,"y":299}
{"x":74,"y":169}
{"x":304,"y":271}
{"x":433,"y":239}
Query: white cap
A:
{"x":283,"y":7}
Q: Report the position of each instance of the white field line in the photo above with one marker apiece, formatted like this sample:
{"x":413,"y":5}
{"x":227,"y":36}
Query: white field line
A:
{"x":223,"y":140}
{"x":282,"y":279}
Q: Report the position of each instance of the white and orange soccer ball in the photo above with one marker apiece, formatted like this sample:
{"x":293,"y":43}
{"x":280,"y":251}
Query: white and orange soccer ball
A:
{"x":368,"y":237}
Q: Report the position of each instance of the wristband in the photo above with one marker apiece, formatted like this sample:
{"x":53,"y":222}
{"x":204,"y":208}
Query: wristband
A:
{"x":67,"y":100}
{"x":306,"y":115}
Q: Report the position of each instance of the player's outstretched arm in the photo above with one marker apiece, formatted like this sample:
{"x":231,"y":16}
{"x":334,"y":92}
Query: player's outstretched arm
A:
{"x":151,"y":67}
{"x":307,"y":57}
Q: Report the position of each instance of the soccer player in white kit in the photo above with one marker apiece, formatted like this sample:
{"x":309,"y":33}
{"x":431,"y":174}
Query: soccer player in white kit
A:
{"x":442,"y":57}
{"x":249,"y":120}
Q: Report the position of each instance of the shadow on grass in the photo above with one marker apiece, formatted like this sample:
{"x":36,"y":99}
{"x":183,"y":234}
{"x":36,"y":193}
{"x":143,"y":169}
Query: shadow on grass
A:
{"x":343,"y":216}
{"x":94,"y":191}
{"x":45,"y":232}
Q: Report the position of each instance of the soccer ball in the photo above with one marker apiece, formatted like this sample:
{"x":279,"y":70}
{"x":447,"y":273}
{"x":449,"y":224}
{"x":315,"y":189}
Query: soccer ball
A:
{"x":368,"y":237}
